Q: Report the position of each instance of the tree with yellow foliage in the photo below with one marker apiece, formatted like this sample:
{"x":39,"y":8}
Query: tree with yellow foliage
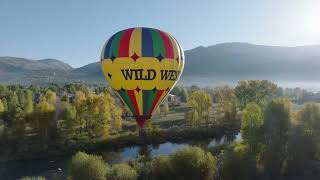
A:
{"x":44,"y":115}
{"x":201,"y":104}
{"x":1,"y":106}
{"x":97,"y":113}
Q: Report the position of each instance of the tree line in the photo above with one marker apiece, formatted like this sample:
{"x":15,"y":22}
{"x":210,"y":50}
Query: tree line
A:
{"x":55,"y":118}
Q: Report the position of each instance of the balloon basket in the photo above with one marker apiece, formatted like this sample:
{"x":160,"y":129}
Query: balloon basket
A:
{"x":142,"y":133}
{"x":140,"y":121}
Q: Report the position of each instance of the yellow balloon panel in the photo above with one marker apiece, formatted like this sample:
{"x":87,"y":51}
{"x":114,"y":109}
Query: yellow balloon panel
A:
{"x":146,"y":73}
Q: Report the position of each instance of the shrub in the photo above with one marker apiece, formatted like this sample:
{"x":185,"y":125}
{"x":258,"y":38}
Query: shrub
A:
{"x":142,"y":166}
{"x":193,"y":163}
{"x":237,"y":162}
{"x":161,"y":168}
{"x":33,"y":178}
{"x":87,"y":167}
{"x":122,"y":172}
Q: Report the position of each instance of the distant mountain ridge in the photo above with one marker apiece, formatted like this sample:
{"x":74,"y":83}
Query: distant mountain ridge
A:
{"x":8,"y":63}
{"x":252,"y":60}
{"x":54,"y":63}
{"x":222,"y":62}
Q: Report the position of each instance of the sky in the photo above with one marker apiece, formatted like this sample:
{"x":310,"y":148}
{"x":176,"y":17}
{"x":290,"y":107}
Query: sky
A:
{"x":74,"y":31}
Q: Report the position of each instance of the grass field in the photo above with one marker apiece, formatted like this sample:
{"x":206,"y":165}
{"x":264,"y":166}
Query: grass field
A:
{"x":173,"y":118}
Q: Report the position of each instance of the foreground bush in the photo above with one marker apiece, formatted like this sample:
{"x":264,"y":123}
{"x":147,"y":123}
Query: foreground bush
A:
{"x":87,"y":167}
{"x":187,"y":163}
{"x":143,"y":167}
{"x":33,"y":178}
{"x":190,"y":163}
{"x":162,"y":168}
{"x":237,"y":162}
{"x":122,"y":172}
{"x":193,"y":163}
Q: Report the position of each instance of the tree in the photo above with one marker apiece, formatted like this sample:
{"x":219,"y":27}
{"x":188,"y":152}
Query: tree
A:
{"x":258,"y":91}
{"x":162,"y":168}
{"x":201,"y":104}
{"x":226,"y":111}
{"x":2,"y":108}
{"x":143,"y":167}
{"x":13,"y":103}
{"x":221,"y":94}
{"x":175,"y":90}
{"x":96,"y":113}
{"x":302,"y":155}
{"x":70,"y":88}
{"x":158,"y":110}
{"x":51,"y":97}
{"x":18,"y":124}
{"x":34,"y":88}
{"x":28,"y":104}
{"x":309,"y":118}
{"x":115,"y":111}
{"x":3,"y":91}
{"x":68,"y":114}
{"x":85,"y":166}
{"x":20,"y":105}
{"x":117,"y":118}
{"x":251,"y":125}
{"x":193,"y":163}
{"x":122,"y":172}
{"x":25,"y":102}
{"x":276,"y":125}
{"x":303,"y":143}
{"x":14,"y":116}
{"x":5,"y":104}
{"x":194,"y":88}
{"x":237,"y":162}
{"x":166,"y":107}
{"x":191,"y":116}
{"x":79,"y":103}
{"x":181,"y":92}
{"x":44,"y":115}
{"x":33,"y":178}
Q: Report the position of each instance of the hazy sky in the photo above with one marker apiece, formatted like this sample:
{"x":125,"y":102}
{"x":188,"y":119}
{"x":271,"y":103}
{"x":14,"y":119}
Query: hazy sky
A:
{"x":75,"y":30}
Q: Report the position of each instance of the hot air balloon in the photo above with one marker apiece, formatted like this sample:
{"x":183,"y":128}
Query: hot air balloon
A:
{"x":142,"y":65}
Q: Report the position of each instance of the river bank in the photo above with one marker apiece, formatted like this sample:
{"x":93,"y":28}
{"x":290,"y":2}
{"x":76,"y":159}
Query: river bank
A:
{"x":57,"y":166}
{"x":175,"y":135}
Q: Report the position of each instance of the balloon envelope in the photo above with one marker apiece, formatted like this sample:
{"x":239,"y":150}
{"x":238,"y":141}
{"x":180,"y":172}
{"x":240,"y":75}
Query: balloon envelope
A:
{"x":142,"y":65}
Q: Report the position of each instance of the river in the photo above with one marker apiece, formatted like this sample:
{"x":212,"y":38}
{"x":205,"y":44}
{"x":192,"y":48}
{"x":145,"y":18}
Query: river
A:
{"x":57,"y":166}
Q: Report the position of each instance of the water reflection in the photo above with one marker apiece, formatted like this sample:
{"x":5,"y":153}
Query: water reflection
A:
{"x":151,"y":151}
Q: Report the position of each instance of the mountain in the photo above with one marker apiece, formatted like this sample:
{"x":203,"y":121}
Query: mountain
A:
{"x":227,"y":62}
{"x":56,"y":64}
{"x":90,"y":73}
{"x":243,"y":59}
{"x":14,"y":70}
{"x":24,"y":71}
{"x":230,"y":62}
{"x":14,"y":64}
